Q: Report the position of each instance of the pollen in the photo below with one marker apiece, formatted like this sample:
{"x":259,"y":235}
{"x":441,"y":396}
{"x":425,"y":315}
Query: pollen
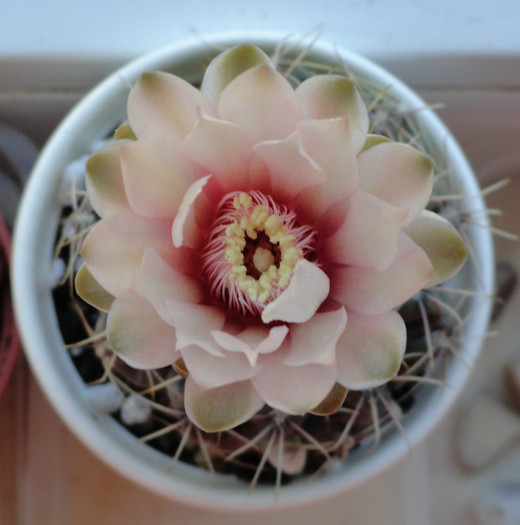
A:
{"x":253,"y":250}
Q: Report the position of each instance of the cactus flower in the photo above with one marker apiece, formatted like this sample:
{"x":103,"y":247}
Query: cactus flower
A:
{"x":257,"y":238}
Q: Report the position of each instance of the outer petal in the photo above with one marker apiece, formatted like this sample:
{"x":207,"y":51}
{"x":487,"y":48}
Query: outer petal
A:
{"x":138,"y":335}
{"x":91,"y":291}
{"x":328,"y":142}
{"x":263,"y":102}
{"x":441,"y":242}
{"x":155,"y":175}
{"x":104,"y":180}
{"x":290,"y":169}
{"x":221,"y":408}
{"x":194,"y":324}
{"x":308,"y":288}
{"x":315,"y":341}
{"x":333,"y":96}
{"x":370,"y":292}
{"x":163,"y":104}
{"x":157,"y":282}
{"x":370,"y":351}
{"x":114,"y":247}
{"x":227,"y":66}
{"x":368,"y":237}
{"x":211,"y":371}
{"x":222,"y":149}
{"x":293,"y":389}
{"x":397,"y":174}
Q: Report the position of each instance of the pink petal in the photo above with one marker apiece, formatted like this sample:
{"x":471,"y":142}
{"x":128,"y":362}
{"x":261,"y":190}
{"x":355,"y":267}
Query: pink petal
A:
{"x":222,"y":149}
{"x":157,"y":282}
{"x":293,"y":389}
{"x":155,"y":175}
{"x":163,"y":104}
{"x":370,"y":292}
{"x":315,"y":341}
{"x":221,"y":408}
{"x":185,"y":231}
{"x":368,"y":237}
{"x":138,"y":335}
{"x":289,"y":166}
{"x":211,"y":371}
{"x":194,"y":323}
{"x":308,"y":288}
{"x":252,"y":341}
{"x":328,"y":142}
{"x":263,"y":102}
{"x":370,"y":351}
{"x":397,"y":174}
{"x":227,"y":66}
{"x":114,"y":247}
{"x":104,"y":180}
{"x":333,"y":96}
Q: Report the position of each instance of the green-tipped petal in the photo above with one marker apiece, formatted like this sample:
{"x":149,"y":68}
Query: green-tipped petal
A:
{"x":105,"y":181}
{"x":91,"y":291}
{"x":370,"y":351}
{"x":398,"y":174}
{"x":333,"y":96}
{"x":124,"y":132}
{"x":374,"y":140}
{"x":333,"y":402}
{"x":227,"y":66}
{"x":221,"y":408}
{"x":442,"y":243}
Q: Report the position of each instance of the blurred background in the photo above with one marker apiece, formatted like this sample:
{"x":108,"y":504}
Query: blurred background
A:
{"x":463,"y":54}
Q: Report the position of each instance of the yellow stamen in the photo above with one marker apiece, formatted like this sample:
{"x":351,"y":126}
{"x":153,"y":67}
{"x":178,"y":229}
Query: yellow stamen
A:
{"x":273,"y":274}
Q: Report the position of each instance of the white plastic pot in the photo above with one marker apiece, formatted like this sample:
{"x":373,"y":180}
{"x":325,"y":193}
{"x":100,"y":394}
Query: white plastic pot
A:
{"x":95,"y":117}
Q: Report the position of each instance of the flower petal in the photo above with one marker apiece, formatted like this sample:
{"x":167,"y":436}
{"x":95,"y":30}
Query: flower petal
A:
{"x":398,"y":174}
{"x":194,"y":323}
{"x":308,"y":288}
{"x":252,"y":341}
{"x":114,"y":247}
{"x":164,"y":104}
{"x":263,"y":102}
{"x":155,"y":175}
{"x":370,"y":351}
{"x":328,"y":143}
{"x":368,"y":237}
{"x":333,"y":402}
{"x":222,"y":408}
{"x":289,"y":167}
{"x":138,"y":335}
{"x":333,"y":96}
{"x":293,"y":389}
{"x":157,"y":282}
{"x":212,"y":371}
{"x":442,"y":243}
{"x":91,"y":291}
{"x":370,"y":292}
{"x":315,"y":341}
{"x":227,"y":66}
{"x":222,"y":149}
{"x":104,"y":180}
{"x":184,"y":228}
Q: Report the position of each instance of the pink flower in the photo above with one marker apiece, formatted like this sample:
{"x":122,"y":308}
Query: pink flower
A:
{"x":257,"y":238}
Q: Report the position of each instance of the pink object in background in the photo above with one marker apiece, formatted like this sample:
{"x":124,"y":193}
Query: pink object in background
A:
{"x":9,"y":342}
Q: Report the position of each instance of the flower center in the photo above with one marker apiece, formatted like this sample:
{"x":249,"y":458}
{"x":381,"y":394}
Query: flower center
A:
{"x":253,"y":249}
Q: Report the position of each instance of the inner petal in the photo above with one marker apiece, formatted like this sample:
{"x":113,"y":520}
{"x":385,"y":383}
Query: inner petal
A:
{"x":254,"y":247}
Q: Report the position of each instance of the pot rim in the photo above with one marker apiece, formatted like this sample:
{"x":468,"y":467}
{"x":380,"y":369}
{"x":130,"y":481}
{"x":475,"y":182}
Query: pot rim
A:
{"x":38,"y":330}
